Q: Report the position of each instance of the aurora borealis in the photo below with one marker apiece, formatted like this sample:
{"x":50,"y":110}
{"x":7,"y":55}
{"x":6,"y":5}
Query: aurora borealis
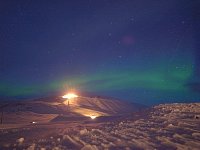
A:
{"x":142,"y":51}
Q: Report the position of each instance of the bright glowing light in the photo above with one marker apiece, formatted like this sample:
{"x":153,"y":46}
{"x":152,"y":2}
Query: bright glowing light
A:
{"x":70,"y":96}
{"x":93,"y":117}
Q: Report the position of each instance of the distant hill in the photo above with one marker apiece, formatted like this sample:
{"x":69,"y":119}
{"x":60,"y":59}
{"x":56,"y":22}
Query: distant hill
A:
{"x":80,"y":106}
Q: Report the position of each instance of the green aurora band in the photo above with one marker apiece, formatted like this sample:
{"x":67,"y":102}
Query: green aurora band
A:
{"x":165,"y":80}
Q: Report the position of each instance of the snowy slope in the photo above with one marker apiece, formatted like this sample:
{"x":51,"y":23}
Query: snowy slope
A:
{"x":58,"y":109}
{"x":165,"y":126}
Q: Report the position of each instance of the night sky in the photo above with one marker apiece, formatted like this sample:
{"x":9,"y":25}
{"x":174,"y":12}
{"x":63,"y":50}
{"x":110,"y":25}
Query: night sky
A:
{"x":144,"y":51}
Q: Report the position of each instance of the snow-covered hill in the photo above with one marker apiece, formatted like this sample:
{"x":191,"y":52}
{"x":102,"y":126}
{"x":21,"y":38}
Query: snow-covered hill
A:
{"x":165,"y":126}
{"x":67,"y":109}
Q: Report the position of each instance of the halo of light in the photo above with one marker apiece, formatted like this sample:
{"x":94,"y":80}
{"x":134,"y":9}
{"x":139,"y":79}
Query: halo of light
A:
{"x":70,"y":96}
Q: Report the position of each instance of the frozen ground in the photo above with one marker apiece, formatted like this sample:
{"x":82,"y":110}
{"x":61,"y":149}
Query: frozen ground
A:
{"x":166,"y":126}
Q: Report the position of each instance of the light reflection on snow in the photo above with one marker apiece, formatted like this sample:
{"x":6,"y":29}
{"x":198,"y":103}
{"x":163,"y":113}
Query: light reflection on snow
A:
{"x":93,"y":117}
